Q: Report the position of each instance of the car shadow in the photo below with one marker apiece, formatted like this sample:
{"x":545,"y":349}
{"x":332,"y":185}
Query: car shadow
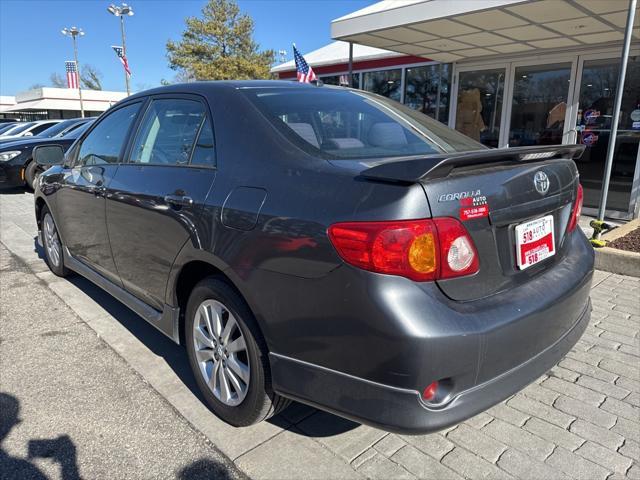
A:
{"x":308,"y":420}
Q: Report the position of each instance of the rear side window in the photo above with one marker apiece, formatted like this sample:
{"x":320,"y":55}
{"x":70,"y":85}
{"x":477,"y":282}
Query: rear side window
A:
{"x":168,"y":131}
{"x":203,"y":152}
{"x":103,"y":144}
{"x":347,"y":124}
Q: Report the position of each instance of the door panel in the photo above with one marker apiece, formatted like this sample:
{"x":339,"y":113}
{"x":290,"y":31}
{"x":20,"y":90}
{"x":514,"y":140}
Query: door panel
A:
{"x":155,"y":200}
{"x":80,"y":202}
{"x":146,"y":230}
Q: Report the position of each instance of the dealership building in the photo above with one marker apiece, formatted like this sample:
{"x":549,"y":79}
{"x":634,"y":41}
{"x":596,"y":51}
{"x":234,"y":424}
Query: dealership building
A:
{"x":46,"y":102}
{"x":504,"y":72}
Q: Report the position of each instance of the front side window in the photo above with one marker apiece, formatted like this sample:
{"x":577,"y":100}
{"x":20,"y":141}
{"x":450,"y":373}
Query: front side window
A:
{"x":167,"y":132}
{"x":104,"y":143}
{"x":340,"y":124}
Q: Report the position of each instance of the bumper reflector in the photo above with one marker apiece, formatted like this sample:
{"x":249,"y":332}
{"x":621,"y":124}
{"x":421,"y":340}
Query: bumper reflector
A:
{"x":430,"y":392}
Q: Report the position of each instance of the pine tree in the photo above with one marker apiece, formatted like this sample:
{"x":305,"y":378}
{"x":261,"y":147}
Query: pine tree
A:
{"x":219,"y":46}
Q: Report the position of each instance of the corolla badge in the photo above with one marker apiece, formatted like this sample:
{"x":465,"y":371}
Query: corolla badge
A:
{"x":448,"y":197}
{"x":541,"y":182}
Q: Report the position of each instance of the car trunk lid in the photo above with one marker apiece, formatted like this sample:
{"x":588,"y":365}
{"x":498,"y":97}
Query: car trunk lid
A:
{"x":492,"y":192}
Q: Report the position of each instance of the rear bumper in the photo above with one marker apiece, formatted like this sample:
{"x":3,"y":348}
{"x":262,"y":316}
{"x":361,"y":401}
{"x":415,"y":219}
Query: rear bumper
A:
{"x":401,"y":410}
{"x":369,"y":355}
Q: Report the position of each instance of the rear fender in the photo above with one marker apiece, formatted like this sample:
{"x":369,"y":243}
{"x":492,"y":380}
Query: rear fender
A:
{"x":189,"y":254}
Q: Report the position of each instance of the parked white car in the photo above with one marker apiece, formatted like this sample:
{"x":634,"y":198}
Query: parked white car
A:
{"x":28,"y":129}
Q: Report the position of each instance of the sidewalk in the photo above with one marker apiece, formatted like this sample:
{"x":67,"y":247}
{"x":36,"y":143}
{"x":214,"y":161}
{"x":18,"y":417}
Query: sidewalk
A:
{"x":582,"y":420}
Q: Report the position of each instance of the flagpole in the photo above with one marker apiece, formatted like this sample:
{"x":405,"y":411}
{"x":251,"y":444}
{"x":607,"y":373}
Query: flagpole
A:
{"x":75,"y":55}
{"x":73,"y":32}
{"x":121,"y":11}
{"x":124,"y":52}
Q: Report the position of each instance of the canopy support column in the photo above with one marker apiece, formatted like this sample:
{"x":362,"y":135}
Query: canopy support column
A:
{"x":616,"y":110}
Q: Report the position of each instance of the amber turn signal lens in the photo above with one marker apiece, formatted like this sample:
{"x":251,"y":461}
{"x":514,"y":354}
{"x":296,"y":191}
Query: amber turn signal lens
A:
{"x":422,"y":253}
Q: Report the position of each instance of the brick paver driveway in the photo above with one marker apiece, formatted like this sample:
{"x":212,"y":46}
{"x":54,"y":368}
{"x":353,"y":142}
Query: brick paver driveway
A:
{"x":581,"y":420}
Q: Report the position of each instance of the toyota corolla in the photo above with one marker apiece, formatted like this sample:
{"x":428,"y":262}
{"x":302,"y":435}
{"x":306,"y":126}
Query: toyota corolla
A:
{"x":325,"y":245}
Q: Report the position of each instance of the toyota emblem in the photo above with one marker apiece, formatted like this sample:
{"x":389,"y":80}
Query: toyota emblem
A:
{"x":541,"y":182}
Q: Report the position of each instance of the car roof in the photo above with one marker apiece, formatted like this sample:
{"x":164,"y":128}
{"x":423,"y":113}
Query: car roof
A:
{"x":209,"y":86}
{"x":47,"y":120}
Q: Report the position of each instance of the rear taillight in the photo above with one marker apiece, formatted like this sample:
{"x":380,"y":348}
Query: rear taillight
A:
{"x":577,"y":210}
{"x":421,"y":250}
{"x":458,"y":254}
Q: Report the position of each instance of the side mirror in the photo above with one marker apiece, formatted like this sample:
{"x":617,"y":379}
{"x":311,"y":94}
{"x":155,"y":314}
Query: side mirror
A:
{"x":28,"y":134}
{"x":48,"y":155}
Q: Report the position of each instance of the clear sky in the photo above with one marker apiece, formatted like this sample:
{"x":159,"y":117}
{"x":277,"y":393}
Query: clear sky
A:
{"x":32,"y":47}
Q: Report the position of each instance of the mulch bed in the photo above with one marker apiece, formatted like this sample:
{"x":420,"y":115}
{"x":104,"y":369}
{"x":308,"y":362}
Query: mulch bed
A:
{"x":630,"y":242}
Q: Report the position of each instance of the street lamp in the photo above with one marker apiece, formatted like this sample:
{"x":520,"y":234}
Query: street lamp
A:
{"x":74,"y":32}
{"x":121,"y":11}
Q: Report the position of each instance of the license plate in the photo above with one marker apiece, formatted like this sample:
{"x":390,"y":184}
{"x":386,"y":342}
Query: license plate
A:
{"x":535,"y":241}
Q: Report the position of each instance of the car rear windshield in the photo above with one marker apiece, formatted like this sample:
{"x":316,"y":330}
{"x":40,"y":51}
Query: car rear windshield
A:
{"x":344,"y":124}
{"x":19,"y":129}
{"x":56,"y":128}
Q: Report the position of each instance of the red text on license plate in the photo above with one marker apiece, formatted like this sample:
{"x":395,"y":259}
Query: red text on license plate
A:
{"x":535,"y":241}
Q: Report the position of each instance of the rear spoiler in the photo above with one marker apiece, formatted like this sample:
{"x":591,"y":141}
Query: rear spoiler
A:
{"x":441,"y":165}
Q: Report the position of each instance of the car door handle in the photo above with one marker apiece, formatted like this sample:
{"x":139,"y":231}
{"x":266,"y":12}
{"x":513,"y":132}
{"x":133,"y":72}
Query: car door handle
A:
{"x":178,"y":200}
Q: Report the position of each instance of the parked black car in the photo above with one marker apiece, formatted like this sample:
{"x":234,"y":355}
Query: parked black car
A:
{"x":325,"y":245}
{"x":16,"y":158}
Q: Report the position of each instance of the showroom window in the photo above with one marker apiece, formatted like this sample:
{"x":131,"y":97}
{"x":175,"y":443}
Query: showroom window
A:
{"x":479,"y":106}
{"x":384,"y":82}
{"x":539,"y":104}
{"x":340,"y":80}
{"x":427,"y":90}
{"x":593,"y":126}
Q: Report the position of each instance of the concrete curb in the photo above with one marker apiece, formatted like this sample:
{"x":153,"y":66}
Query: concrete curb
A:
{"x":618,"y":261}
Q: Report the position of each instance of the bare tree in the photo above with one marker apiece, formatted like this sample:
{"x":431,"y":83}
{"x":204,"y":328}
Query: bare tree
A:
{"x":91,"y":77}
{"x":57,"y":80}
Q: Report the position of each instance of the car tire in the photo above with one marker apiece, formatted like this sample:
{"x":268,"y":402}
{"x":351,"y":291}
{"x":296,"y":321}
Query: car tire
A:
{"x":52,"y":244}
{"x":31,"y":174}
{"x":232,"y":373}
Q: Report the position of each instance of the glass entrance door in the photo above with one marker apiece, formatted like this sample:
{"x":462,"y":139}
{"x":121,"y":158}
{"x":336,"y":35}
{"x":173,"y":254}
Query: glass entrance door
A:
{"x":539,"y":104}
{"x":593,"y":126}
{"x":479,"y":105}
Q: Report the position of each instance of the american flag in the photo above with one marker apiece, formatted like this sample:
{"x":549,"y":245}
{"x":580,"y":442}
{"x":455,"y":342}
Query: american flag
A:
{"x":123,"y":58}
{"x":72,"y":74}
{"x":305,"y":72}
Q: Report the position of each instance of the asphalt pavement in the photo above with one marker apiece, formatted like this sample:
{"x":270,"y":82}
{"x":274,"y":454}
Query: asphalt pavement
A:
{"x":71,"y":407}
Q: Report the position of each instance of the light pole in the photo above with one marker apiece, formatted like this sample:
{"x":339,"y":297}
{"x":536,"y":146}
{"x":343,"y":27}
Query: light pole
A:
{"x":74,"y":32}
{"x":121,"y":11}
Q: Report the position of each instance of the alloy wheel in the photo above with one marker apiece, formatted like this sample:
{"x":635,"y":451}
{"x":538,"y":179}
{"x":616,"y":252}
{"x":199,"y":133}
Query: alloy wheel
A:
{"x":221,"y":352}
{"x":51,"y":240}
